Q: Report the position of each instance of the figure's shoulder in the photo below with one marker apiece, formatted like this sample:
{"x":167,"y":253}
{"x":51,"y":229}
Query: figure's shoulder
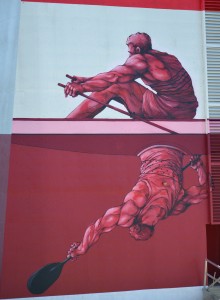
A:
{"x":165,"y":57}
{"x":154,"y":59}
{"x":160,"y":54}
{"x":136,"y":59}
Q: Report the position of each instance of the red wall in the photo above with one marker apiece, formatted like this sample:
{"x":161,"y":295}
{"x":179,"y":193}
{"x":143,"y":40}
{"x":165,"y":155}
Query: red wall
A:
{"x":55,"y":194}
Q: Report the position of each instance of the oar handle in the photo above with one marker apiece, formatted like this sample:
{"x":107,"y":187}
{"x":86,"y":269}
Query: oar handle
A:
{"x":73,"y":78}
{"x":62,"y":85}
{"x":189,"y":164}
{"x":66,"y":260}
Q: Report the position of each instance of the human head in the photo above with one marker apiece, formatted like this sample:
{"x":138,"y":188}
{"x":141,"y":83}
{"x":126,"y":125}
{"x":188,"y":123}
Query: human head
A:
{"x":141,"y":232}
{"x":140,"y":41}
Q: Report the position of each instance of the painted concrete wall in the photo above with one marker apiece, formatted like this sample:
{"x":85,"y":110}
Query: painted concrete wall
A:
{"x":27,"y":184}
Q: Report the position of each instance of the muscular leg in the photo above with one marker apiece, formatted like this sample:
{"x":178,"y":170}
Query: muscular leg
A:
{"x":131,"y":95}
{"x":153,"y":107}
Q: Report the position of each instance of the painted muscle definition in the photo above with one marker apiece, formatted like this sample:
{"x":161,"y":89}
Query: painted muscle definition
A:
{"x":166,"y":94}
{"x":158,"y":194}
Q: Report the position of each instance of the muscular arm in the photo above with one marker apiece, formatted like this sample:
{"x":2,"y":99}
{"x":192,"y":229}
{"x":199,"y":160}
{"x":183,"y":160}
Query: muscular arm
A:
{"x":194,"y":194}
{"x":94,"y":231}
{"x":113,"y":217}
{"x":122,"y":215}
{"x":132,"y":69}
{"x":197,"y":193}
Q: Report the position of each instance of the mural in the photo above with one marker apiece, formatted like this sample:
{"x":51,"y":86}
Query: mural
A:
{"x":158,"y":194}
{"x":71,"y":186}
{"x":165,"y":83}
{"x":171,"y":95}
{"x":75,"y":180}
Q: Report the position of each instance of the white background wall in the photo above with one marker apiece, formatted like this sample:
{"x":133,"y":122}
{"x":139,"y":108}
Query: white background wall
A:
{"x":56,"y":39}
{"x":9,"y":26}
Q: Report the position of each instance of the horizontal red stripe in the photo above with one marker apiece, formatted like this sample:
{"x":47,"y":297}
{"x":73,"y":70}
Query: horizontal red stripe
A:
{"x":163,"y":4}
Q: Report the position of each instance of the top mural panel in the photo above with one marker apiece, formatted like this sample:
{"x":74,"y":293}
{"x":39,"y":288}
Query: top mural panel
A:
{"x":147,"y":63}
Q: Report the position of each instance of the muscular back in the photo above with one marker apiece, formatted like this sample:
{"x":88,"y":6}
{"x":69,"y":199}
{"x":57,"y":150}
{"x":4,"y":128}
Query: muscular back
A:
{"x":161,"y":66}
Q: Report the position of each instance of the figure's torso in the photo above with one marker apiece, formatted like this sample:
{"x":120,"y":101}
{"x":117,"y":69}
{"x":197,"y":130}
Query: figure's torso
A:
{"x":161,"y":171}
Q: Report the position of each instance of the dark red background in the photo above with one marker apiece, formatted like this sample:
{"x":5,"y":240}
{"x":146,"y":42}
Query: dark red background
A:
{"x":55,"y":194}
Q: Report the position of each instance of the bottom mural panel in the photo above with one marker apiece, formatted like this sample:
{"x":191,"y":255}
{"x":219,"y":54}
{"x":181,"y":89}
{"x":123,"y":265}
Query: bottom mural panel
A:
{"x":129,"y":211}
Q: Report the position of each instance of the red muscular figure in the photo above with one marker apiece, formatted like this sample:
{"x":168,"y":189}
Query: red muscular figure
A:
{"x":158,"y":194}
{"x":171,"y":95}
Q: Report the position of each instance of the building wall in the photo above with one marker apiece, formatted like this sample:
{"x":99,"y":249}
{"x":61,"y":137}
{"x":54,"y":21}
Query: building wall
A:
{"x":64,"y":175}
{"x":9,"y":19}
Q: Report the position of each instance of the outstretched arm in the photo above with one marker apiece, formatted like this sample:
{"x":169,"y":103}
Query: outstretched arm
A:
{"x":132,"y":69}
{"x":107,"y":223}
{"x":94,"y":231}
{"x":123,"y":215}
